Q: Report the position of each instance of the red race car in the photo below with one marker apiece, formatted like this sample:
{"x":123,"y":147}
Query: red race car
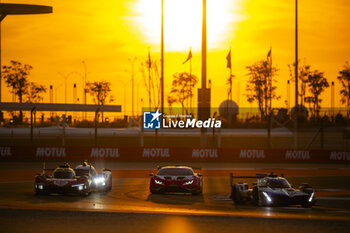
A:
{"x":81,"y":180}
{"x":180,"y":179}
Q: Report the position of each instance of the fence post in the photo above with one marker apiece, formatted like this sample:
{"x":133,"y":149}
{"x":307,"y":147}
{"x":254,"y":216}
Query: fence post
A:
{"x":322,"y":134}
{"x":96,"y":122}
{"x":31,"y":124}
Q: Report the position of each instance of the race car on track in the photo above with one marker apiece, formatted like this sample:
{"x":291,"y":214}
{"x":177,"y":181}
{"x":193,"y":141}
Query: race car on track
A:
{"x":271,"y":190}
{"x":81,"y":180}
{"x":180,"y":179}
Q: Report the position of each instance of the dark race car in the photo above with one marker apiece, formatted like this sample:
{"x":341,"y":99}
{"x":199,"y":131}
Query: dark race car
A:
{"x":271,"y":190}
{"x":81,"y":180}
{"x":180,"y":179}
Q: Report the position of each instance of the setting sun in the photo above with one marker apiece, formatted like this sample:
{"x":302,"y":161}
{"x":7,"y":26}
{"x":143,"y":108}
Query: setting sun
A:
{"x":183,"y":22}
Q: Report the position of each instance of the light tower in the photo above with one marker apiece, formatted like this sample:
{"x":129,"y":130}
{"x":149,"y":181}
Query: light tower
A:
{"x":204,"y":92}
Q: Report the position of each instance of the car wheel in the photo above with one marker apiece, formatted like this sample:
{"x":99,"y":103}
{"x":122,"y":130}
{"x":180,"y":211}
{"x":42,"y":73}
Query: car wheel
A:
{"x":200,"y":191}
{"x":40,"y":193}
{"x":197,"y":193}
{"x":306,"y":205}
{"x":110,"y":185}
{"x":154,"y":191}
{"x":255,"y":195}
{"x":235,"y":196}
{"x":87,"y":192}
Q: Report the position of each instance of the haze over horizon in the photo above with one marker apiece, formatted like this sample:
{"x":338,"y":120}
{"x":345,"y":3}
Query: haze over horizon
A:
{"x":105,"y":34}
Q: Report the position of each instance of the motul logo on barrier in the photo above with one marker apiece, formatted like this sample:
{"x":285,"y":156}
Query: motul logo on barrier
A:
{"x":5,"y":152}
{"x":252,"y":154}
{"x":344,"y":156}
{"x":155,"y":152}
{"x":104,"y":153}
{"x":297,"y":154}
{"x":205,"y":153}
{"x":51,"y":152}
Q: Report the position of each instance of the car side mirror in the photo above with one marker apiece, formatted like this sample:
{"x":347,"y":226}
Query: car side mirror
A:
{"x":151,"y":174}
{"x":106,"y":169}
{"x":199,"y":174}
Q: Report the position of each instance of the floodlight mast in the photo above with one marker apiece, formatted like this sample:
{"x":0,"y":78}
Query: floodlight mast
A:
{"x":19,"y":9}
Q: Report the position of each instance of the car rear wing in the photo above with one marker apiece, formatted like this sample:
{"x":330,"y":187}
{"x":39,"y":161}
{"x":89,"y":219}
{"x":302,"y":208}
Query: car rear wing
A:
{"x":258,"y":176}
{"x":46,"y":169}
{"x":241,"y":177}
{"x":194,"y":168}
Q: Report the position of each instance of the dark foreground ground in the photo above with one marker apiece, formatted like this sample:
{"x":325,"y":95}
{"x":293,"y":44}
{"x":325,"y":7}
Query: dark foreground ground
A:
{"x":38,"y":221}
{"x":129,"y":206}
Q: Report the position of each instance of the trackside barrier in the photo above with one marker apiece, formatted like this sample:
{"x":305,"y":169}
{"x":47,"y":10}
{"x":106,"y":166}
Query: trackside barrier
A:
{"x":184,"y":154}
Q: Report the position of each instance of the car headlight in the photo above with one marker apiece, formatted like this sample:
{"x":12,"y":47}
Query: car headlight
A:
{"x":158,"y":182}
{"x":79,"y":186}
{"x":311,"y":197}
{"x":189,"y":182}
{"x":99,"y":180}
{"x":268,"y":198}
{"x":40,"y":186}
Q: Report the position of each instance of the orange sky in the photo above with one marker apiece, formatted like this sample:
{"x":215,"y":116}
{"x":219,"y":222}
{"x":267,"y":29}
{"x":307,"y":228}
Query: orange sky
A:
{"x":105,"y":34}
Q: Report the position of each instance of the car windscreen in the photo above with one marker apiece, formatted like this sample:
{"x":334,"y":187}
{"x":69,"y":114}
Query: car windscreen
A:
{"x":278,"y":183}
{"x":175,"y":172}
{"x":63,"y":174}
{"x":81,"y":172}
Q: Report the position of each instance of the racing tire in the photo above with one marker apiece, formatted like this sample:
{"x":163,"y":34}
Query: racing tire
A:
{"x":110,"y":185}
{"x":87,"y":192}
{"x":256,"y":195}
{"x":154,"y":191}
{"x":197,"y":193}
{"x":235,"y":196}
{"x":38,"y":193}
{"x":307,"y":205}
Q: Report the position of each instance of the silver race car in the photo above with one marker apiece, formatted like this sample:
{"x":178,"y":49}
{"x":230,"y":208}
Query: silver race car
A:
{"x":271,"y":190}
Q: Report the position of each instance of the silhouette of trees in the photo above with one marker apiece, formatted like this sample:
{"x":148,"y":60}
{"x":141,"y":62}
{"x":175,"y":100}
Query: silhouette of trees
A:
{"x":317,"y":84}
{"x":182,"y":88}
{"x":303,"y":75}
{"x":151,"y":78}
{"x":344,"y":79}
{"x":34,"y":92}
{"x":16,"y":78}
{"x":100,"y":92}
{"x":261,"y":87}
{"x":171,"y":100}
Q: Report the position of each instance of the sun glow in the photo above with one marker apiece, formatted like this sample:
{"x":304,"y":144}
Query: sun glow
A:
{"x":183,"y":22}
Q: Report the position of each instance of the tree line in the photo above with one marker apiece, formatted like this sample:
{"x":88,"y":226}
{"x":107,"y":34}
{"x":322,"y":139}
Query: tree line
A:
{"x":261,"y":86}
{"x":16,"y":76}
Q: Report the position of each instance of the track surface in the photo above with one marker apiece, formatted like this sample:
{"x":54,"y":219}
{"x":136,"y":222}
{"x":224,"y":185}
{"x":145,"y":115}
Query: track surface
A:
{"x":130,"y":199}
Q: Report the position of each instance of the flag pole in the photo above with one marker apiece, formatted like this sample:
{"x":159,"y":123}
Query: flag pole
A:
{"x":230,"y":75}
{"x":191,"y":81}
{"x":270,"y":77}
{"x":162,"y":60}
{"x":149,"y":79}
{"x":296,"y":112}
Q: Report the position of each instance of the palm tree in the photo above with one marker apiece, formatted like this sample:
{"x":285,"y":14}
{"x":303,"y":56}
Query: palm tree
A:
{"x":317,"y":84}
{"x":100,"y":91}
{"x":344,"y":79}
{"x":182,"y":87}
